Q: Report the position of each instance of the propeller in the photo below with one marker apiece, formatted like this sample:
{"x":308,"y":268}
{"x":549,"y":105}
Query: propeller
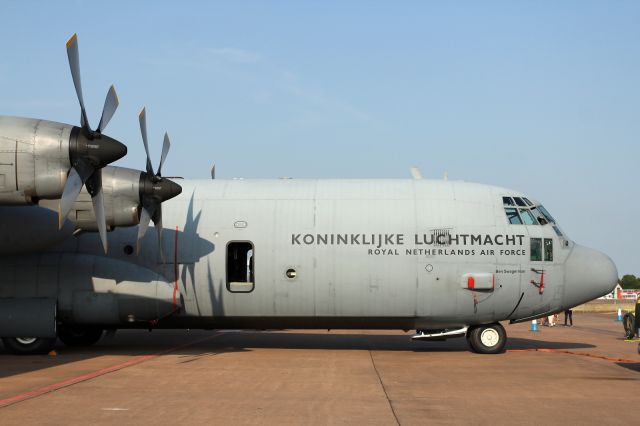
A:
{"x":154,"y":189}
{"x":89,"y":150}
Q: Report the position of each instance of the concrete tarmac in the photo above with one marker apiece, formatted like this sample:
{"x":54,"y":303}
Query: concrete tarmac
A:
{"x":586,"y":374}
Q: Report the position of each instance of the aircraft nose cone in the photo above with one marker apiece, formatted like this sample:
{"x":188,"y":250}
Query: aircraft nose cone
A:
{"x":589,"y":274}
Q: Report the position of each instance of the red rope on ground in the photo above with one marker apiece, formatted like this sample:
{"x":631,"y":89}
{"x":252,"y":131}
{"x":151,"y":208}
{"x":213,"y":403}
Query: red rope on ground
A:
{"x":101,"y":372}
{"x":567,"y":352}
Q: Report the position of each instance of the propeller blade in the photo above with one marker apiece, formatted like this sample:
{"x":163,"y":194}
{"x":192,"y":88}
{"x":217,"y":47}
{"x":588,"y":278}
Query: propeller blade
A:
{"x":94,"y":187}
{"x":142,"y":117}
{"x":78,"y":175}
{"x":165,"y":150}
{"x":145,"y":218}
{"x":111,"y":103}
{"x":157,"y":221}
{"x":74,"y":65}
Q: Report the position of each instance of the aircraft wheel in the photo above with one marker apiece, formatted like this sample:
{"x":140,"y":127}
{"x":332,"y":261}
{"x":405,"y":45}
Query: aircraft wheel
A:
{"x":79,"y":336}
{"x":28,"y":345}
{"x":487,"y":339}
{"x":628,"y":322}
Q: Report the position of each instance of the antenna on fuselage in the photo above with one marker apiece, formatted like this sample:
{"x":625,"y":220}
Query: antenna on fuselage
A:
{"x":446,"y":176}
{"x":213,"y":172}
{"x":415,"y":173}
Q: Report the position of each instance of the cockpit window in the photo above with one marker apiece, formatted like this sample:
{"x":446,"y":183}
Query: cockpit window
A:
{"x":539,"y":216}
{"x":520,"y":202}
{"x":508,"y":201}
{"x":527,"y":217}
{"x":526,"y":200}
{"x":546,"y":214}
{"x":513,"y":216}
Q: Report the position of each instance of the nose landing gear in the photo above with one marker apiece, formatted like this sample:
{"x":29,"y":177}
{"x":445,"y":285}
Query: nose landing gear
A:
{"x":487,"y":339}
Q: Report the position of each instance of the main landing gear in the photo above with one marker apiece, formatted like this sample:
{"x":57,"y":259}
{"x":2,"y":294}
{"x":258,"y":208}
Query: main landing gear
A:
{"x":79,"y":336}
{"x":75,"y":336}
{"x":28,"y":345}
{"x":487,"y":339}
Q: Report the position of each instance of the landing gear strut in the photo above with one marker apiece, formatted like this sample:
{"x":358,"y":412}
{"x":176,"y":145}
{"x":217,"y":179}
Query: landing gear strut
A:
{"x":487,"y":339}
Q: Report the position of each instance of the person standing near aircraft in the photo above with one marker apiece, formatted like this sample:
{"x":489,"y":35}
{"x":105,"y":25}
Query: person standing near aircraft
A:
{"x":568,"y":314}
{"x":551,"y":321}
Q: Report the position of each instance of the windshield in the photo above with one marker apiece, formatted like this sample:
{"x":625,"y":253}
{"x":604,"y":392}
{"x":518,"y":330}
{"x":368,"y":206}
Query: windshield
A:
{"x":520,"y":210}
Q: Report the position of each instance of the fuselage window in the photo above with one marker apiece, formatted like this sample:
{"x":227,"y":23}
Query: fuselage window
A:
{"x":536,"y":249}
{"x":240,"y":267}
{"x":513,"y":216}
{"x":508,"y":201}
{"x":527,"y":217}
{"x":519,"y":202}
{"x":548,"y":250}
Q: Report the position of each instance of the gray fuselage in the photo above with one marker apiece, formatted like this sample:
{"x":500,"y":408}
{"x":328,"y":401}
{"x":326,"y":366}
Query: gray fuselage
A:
{"x":408,"y":254}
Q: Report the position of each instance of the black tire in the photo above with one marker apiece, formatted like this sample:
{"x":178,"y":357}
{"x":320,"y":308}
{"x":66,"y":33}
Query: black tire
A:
{"x":28,"y":345}
{"x":629,"y":324}
{"x":79,"y":336}
{"x":487,"y":339}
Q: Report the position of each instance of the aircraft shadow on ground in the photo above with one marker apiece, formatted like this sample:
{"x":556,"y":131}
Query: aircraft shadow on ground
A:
{"x":377,"y":342}
{"x":633,"y":366}
{"x":136,"y":343}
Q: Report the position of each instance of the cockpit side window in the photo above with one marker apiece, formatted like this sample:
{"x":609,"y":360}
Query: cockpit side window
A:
{"x":527,"y":217}
{"x":548,"y":250}
{"x":539,"y":216}
{"x":526,"y":200}
{"x":513,"y":216}
{"x":536,"y":249}
{"x":546,"y":214}
{"x":558,"y":232}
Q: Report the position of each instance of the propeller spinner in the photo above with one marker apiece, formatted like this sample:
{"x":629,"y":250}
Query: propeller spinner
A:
{"x":154,"y":189}
{"x":89,"y":150}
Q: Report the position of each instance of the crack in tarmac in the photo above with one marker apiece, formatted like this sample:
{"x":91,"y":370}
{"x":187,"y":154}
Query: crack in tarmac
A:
{"x":384,"y":389}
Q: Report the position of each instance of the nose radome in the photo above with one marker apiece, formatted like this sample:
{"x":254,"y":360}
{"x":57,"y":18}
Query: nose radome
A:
{"x":589,"y":274}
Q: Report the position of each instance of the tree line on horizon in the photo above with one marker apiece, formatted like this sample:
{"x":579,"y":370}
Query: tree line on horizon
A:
{"x":629,"y":281}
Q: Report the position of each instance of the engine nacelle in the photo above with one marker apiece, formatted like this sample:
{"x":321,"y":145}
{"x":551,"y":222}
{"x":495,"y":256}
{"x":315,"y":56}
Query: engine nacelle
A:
{"x":34,"y":159}
{"x":121,"y":189}
{"x":36,"y":156}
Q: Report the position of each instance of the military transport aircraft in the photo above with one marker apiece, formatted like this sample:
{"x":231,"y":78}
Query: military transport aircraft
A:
{"x":445,"y":258}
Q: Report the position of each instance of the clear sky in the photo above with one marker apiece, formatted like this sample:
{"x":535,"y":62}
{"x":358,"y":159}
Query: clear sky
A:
{"x":542,"y":97}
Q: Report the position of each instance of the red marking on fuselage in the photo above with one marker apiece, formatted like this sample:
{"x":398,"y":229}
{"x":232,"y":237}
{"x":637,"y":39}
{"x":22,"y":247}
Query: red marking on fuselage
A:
{"x":175,"y":270}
